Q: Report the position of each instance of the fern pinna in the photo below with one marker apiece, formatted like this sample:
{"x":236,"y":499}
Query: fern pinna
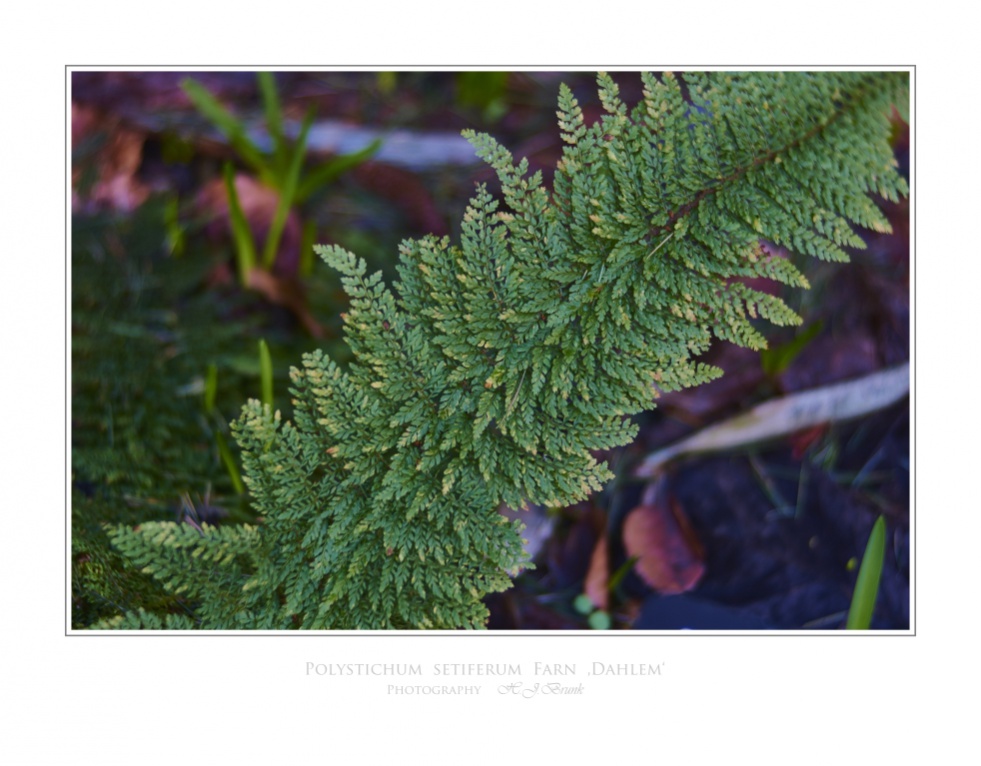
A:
{"x":495,"y":368}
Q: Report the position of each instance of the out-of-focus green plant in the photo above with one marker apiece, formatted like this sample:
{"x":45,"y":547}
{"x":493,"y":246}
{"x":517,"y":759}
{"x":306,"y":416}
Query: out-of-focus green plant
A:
{"x":485,"y":91}
{"x":210,"y":393}
{"x":281,"y":168}
{"x":241,"y":233}
{"x":867,"y":584}
{"x":266,"y":373}
{"x":778,"y":358}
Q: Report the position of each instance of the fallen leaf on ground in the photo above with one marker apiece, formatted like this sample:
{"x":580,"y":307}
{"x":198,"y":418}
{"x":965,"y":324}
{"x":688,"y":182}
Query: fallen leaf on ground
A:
{"x":669,"y":556}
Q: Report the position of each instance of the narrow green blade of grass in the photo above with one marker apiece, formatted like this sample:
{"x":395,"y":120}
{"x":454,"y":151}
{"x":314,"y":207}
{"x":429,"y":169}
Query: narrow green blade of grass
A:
{"x":210,"y":388}
{"x":618,"y":576}
{"x":244,"y":244}
{"x":266,"y":373}
{"x":274,"y":122}
{"x":867,"y":584}
{"x":227,"y":123}
{"x":287,"y":193}
{"x":306,"y":248}
{"x":776,"y":360}
{"x":176,"y":241}
{"x":229,"y":460}
{"x":331,"y":170}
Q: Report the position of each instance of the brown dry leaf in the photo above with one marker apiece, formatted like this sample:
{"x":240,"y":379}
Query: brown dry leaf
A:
{"x":598,"y":577}
{"x":117,"y":162}
{"x":669,"y":557}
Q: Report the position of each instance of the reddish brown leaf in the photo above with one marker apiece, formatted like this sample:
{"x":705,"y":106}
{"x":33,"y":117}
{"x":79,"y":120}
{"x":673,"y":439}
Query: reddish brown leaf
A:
{"x":117,"y":185}
{"x":669,"y":556}
{"x":598,"y":577}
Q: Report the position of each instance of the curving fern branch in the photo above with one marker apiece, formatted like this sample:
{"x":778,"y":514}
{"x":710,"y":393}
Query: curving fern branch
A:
{"x":496,"y":367}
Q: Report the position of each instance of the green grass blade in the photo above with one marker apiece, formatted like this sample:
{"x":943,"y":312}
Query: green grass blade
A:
{"x":227,"y":123}
{"x":331,"y":170}
{"x":287,"y":194}
{"x":229,"y":460}
{"x":776,"y":360}
{"x":867,"y":584}
{"x":274,"y":121}
{"x":618,"y":576}
{"x":244,"y":244}
{"x":266,"y":373}
{"x":176,"y":241}
{"x":306,"y":248}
